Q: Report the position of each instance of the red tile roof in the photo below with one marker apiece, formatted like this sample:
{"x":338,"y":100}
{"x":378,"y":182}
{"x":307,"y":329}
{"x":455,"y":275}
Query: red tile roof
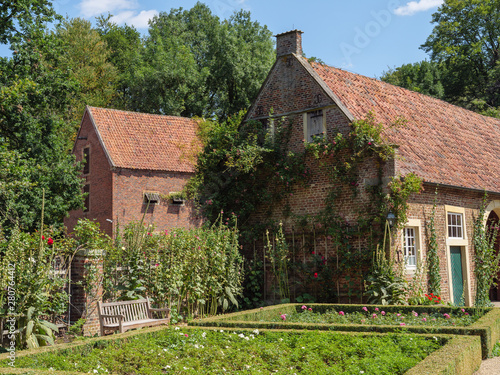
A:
{"x":144,"y":141}
{"x":441,"y":143}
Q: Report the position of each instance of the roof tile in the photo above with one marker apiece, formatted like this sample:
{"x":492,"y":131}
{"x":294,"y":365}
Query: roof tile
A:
{"x":144,"y":141}
{"x":441,"y":143}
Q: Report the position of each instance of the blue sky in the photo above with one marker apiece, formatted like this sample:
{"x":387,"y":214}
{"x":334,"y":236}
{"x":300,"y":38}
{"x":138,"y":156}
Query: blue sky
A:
{"x":362,"y":36}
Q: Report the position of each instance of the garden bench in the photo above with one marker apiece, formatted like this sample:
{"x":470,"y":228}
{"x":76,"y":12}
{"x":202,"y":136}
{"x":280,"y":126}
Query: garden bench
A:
{"x":125,"y":315}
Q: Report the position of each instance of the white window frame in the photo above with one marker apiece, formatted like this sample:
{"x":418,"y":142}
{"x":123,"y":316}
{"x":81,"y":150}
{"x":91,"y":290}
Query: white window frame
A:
{"x":416,"y":226}
{"x":410,"y":246}
{"x":306,"y":121}
{"x":452,"y":226}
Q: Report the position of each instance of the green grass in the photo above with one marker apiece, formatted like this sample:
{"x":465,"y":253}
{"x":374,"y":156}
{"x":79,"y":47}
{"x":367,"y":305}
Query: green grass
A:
{"x":209,"y":351}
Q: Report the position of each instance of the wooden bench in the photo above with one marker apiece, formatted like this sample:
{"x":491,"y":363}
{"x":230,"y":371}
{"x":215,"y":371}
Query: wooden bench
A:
{"x":125,"y":315}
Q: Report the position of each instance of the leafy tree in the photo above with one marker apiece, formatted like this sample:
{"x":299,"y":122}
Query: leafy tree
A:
{"x":125,"y":46}
{"x":86,"y":56}
{"x":466,"y":39}
{"x":34,"y":137}
{"x":423,"y":77}
{"x":194,"y":64}
{"x":15,"y":15}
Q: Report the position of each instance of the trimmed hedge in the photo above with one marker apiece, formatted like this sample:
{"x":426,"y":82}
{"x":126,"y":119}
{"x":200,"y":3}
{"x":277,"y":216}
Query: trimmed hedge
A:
{"x":487,"y":327}
{"x":460,"y":356}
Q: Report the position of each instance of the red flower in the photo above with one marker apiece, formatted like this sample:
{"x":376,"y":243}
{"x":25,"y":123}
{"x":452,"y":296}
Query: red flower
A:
{"x":315,"y":275}
{"x":50,"y":241}
{"x":43,"y":237}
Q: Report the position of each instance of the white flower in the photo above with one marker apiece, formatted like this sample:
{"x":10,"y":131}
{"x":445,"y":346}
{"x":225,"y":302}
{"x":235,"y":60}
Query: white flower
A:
{"x":247,"y":338}
{"x":204,"y":334}
{"x":176,"y":328}
{"x":222,"y":330}
{"x":196,"y":346}
{"x":167,"y":367}
{"x":281,"y":339}
{"x":303,"y":348}
{"x":123,"y":247}
{"x":256,"y":331}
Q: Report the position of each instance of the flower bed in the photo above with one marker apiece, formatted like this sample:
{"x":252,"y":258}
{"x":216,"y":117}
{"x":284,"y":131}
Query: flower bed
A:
{"x":193,"y":351}
{"x":449,"y":320}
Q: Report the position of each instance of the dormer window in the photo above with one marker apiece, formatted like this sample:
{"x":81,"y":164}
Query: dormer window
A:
{"x":314,"y":125}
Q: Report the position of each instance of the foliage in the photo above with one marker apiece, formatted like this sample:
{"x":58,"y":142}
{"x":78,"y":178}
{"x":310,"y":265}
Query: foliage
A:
{"x":34,"y":136}
{"x":194,"y":272}
{"x":194,"y":64}
{"x":434,"y":270}
{"x":385,"y":283}
{"x":244,"y":166}
{"x":277,"y":253}
{"x":378,"y":316}
{"x":216,"y":351}
{"x":423,"y":77}
{"x":463,"y":47}
{"x":253,"y":284}
{"x":400,"y":190}
{"x":27,"y":266}
{"x":15,"y":15}
{"x":486,"y":258}
{"x":87,"y":57}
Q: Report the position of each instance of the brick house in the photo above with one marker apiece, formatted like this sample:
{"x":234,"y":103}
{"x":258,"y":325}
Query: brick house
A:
{"x":450,"y":148}
{"x":133,"y":164}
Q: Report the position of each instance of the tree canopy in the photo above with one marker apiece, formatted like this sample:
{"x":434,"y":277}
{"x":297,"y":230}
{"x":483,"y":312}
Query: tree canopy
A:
{"x":464,"y":48}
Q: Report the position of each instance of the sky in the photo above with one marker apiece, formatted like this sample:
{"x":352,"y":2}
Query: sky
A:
{"x":367,"y":37}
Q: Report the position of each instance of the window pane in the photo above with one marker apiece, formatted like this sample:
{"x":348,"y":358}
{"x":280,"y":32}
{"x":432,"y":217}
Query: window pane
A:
{"x":86,"y":161}
{"x":314,"y":124}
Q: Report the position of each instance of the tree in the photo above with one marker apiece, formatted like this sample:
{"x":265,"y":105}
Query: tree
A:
{"x":466,"y":39}
{"x":16,"y":14}
{"x":193,"y":64}
{"x":86,"y":56}
{"x":35,"y":139}
{"x":423,"y":77}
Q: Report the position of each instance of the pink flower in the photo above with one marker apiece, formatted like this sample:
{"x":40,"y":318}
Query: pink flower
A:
{"x":304,"y":307}
{"x":313,"y":253}
{"x":310,"y":309}
{"x":50,"y":241}
{"x":261,"y":307}
{"x":374,"y":316}
{"x":398,"y":314}
{"x":157,"y":264}
{"x":466,"y":313}
{"x":446,"y":316}
{"x":341,"y":313}
{"x":186,"y":335}
{"x":424,"y":319}
{"x":364,"y":308}
{"x":402,"y":324}
{"x":283,"y":316}
{"x":383,"y":312}
{"x":376,"y":308}
{"x":415,"y":314}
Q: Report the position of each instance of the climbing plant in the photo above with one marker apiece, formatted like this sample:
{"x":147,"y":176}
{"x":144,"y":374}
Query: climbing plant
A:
{"x":432,"y":255}
{"x":486,"y":257}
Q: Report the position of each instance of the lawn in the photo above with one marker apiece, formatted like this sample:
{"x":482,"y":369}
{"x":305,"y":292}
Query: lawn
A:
{"x":217,"y":351}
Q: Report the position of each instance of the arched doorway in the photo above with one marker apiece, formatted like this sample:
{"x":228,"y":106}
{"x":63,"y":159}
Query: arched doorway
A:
{"x":494,"y":221}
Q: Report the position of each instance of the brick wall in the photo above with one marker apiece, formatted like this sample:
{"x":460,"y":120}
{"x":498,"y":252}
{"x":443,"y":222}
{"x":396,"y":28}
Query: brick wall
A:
{"x":128,"y":199}
{"x":99,"y":178}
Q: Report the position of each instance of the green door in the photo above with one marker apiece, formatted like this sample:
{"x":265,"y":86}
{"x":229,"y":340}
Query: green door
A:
{"x":457,"y":280}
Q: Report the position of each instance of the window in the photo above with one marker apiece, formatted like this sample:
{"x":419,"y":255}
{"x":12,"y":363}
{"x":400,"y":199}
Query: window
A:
{"x":314,"y":125}
{"x":86,"y":160}
{"x":410,"y":247}
{"x":151,"y":198}
{"x":455,"y":225}
{"x":86,"y":190}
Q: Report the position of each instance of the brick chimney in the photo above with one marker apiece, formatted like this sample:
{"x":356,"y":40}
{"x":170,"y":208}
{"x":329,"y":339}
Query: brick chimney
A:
{"x":289,"y":42}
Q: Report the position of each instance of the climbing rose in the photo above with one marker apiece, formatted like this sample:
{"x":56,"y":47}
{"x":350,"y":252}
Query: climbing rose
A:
{"x":315,"y":275}
{"x":50,"y":241}
{"x":43,"y":237}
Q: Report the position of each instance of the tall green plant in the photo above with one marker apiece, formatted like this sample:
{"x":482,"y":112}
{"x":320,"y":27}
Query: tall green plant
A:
{"x":277,"y":253}
{"x":432,"y":256}
{"x":486,"y":257}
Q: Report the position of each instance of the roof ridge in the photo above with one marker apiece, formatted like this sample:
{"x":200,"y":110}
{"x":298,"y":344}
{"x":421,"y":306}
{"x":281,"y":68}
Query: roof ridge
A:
{"x":140,"y":113}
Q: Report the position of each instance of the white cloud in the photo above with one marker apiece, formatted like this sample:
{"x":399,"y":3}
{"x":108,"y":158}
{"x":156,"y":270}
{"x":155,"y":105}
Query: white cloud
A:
{"x":417,"y":6}
{"x":90,"y":8}
{"x":139,"y":21}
